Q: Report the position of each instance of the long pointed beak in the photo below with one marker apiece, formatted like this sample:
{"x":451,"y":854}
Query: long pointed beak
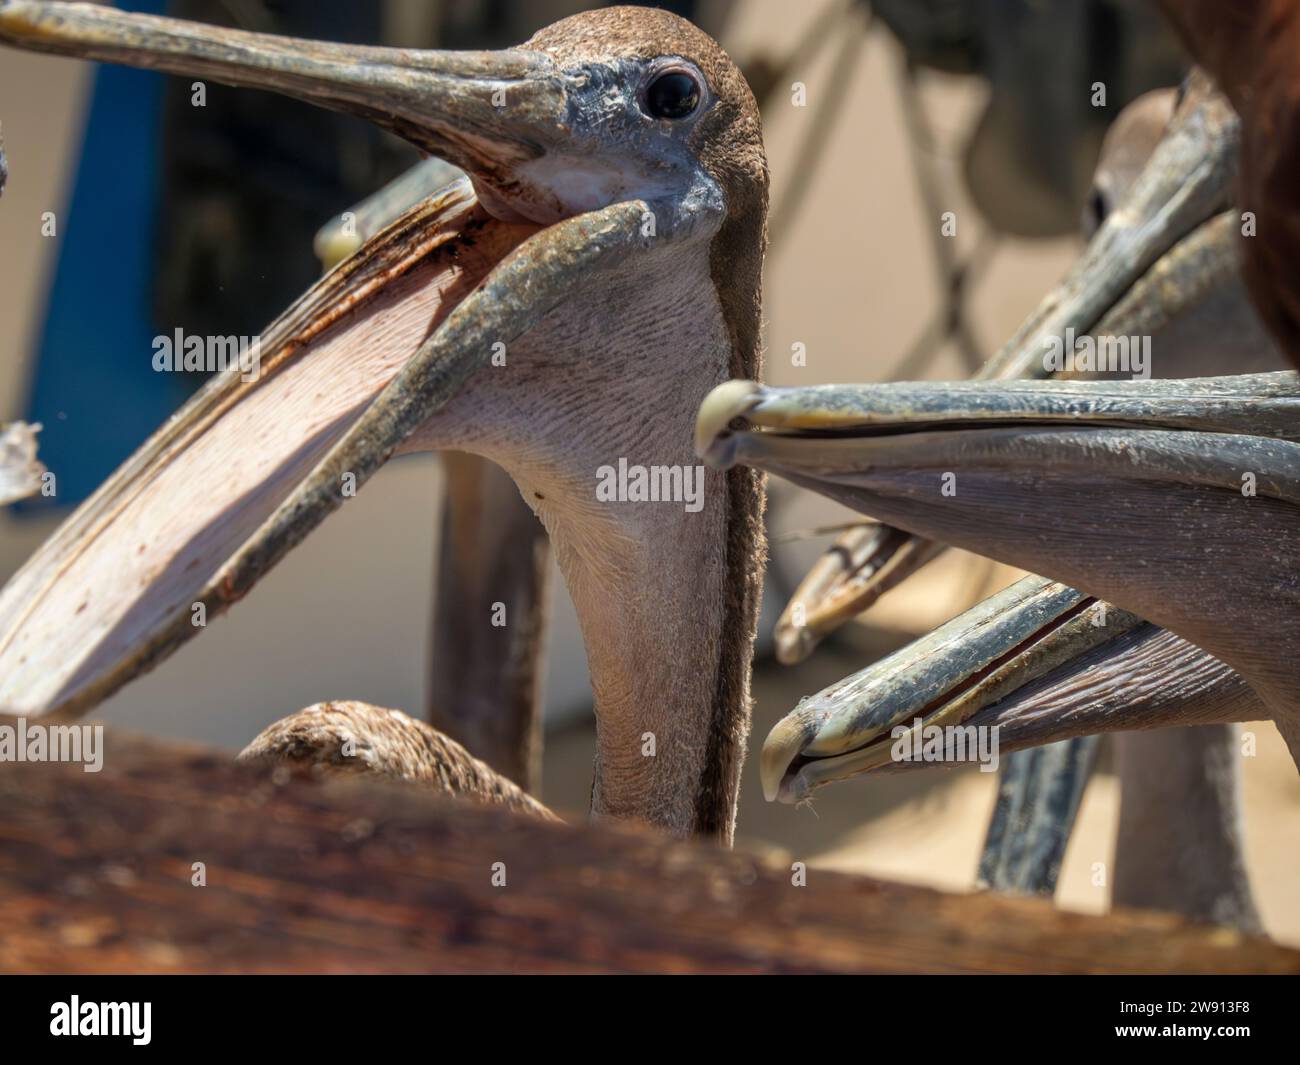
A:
{"x":1188,"y":473}
{"x":820,"y":426}
{"x":942,"y":679}
{"x":903,"y":446}
{"x":486,"y":112}
{"x":1169,"y":245}
{"x":1034,"y":664}
{"x":307,"y":412}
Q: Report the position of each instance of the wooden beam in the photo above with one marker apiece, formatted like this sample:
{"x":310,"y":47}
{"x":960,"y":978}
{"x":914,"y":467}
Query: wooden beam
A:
{"x":96,"y":875}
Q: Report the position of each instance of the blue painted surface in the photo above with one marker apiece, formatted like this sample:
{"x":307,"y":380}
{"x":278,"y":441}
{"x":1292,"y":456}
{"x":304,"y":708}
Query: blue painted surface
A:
{"x":93,"y":389}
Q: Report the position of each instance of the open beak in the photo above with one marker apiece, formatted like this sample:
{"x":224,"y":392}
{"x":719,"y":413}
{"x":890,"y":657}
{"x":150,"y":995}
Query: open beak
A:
{"x":1155,"y":257}
{"x":330,"y":390}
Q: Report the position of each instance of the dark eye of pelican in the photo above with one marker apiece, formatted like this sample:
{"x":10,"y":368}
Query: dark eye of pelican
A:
{"x":674,"y":95}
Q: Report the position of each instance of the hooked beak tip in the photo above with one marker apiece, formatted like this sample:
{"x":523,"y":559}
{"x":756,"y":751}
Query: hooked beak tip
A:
{"x":729,"y":401}
{"x":793,"y":644}
{"x":782,"y":746}
{"x":331,"y":247}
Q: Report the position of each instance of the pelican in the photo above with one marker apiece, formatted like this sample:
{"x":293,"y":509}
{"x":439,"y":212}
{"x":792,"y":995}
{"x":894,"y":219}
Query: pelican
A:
{"x":1041,"y":662}
{"x":560,"y":311}
{"x":1043,"y":405}
{"x":1253,"y":52}
{"x":348,"y":230}
{"x":1186,"y":302}
{"x":347,"y":738}
{"x":1251,"y":57}
{"x":1180,"y":843}
{"x":1203,"y":761}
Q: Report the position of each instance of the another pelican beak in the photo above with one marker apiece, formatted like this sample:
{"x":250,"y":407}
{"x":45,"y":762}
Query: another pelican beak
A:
{"x":1016,"y":452}
{"x":1034,"y":664}
{"x":944,"y":678}
{"x":333,"y":388}
{"x":1153,"y":258}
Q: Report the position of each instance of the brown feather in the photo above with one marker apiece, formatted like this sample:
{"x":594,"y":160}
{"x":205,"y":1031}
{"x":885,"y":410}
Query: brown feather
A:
{"x":347,"y":738}
{"x":1252,"y":47}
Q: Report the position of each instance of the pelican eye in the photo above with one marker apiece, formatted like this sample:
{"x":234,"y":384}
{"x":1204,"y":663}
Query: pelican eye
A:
{"x":673,"y":95}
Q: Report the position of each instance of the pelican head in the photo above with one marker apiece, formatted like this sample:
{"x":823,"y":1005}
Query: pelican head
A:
{"x":592,"y":110}
{"x":561,"y":311}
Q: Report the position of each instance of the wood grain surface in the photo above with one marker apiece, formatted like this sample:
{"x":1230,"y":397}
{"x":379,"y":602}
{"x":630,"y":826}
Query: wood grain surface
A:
{"x":96,"y":876}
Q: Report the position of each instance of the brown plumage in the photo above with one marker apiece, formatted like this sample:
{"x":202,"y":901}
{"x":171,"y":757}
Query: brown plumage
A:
{"x":729,"y":141}
{"x":1252,"y":47}
{"x":346,"y":738}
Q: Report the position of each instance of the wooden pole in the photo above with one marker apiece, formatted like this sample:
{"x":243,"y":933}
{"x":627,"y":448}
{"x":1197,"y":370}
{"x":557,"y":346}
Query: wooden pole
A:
{"x":485,"y":670}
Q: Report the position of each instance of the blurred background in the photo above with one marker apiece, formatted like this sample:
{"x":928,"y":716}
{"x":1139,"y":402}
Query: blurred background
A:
{"x":168,"y":216}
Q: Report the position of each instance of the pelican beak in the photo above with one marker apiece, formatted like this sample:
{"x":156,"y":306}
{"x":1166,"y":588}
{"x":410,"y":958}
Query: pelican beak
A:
{"x":1032,"y":665}
{"x":306,"y":412}
{"x":1015,"y":455}
{"x":943,"y":679}
{"x":487,"y":112}
{"x":840,"y":434}
{"x":1158,"y":255}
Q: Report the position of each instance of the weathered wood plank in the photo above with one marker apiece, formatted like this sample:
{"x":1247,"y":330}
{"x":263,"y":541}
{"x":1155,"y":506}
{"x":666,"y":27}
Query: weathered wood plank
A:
{"x":95,"y":876}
